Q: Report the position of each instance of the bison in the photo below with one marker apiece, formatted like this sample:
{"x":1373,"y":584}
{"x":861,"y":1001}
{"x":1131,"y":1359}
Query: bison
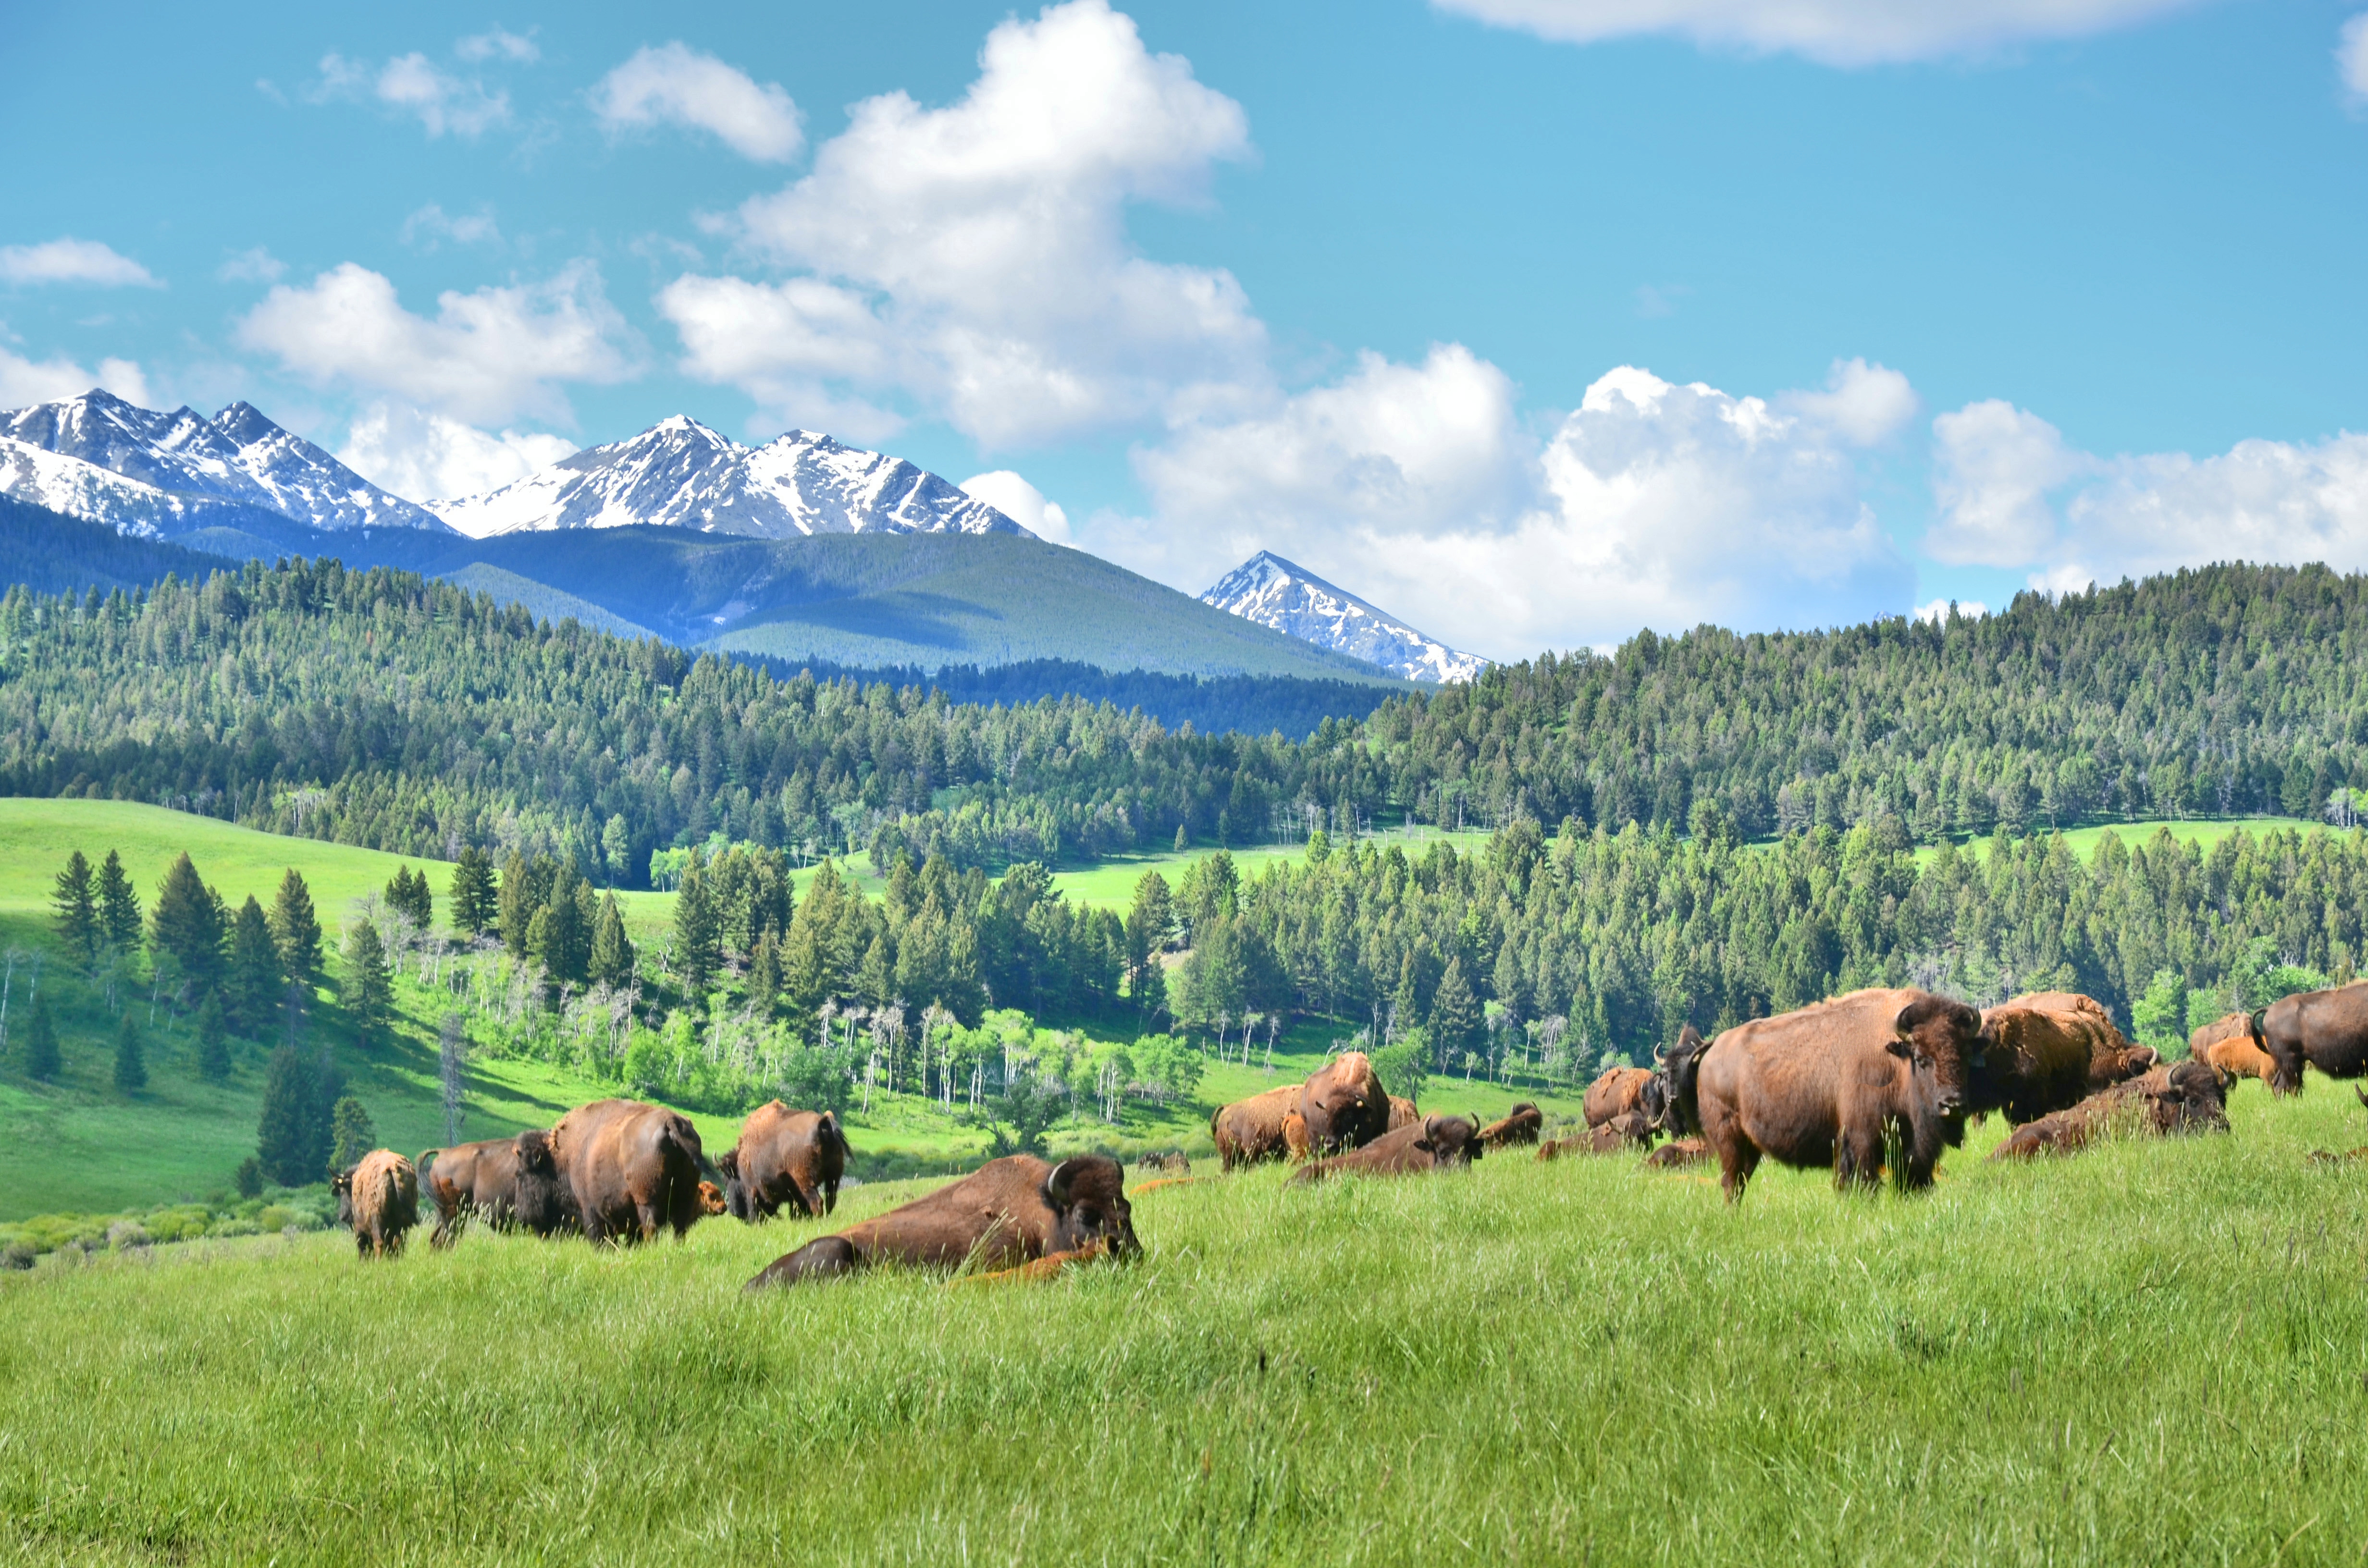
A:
{"x":2325,"y":1029}
{"x":1623,"y":1132}
{"x":1439,"y":1143}
{"x":1345,"y":1104}
{"x":378,"y":1199}
{"x":1678,"y":1153}
{"x":783,"y":1156}
{"x":1008,"y":1212}
{"x":1251,"y":1130}
{"x":2229,"y":1043}
{"x":1172,"y":1163}
{"x":1403,"y":1113}
{"x":1823,"y":1086}
{"x":632,"y":1168}
{"x":1681,"y":1066}
{"x":2187,"y":1097}
{"x":507,"y":1182}
{"x":1520,"y":1125}
{"x":2048,"y":1051}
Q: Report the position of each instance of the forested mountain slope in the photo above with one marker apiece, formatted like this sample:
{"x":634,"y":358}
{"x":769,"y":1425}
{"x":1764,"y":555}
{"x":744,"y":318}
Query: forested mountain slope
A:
{"x":379,"y":708}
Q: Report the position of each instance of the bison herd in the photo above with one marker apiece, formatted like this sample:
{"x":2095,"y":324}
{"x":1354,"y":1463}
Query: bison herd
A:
{"x":1877,"y":1081}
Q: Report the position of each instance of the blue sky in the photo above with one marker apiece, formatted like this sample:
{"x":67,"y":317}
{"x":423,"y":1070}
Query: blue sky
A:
{"x":1533,"y":320}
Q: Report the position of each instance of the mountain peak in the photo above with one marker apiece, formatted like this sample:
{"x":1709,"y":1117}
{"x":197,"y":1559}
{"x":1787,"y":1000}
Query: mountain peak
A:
{"x":679,"y":474}
{"x":1287,"y":596}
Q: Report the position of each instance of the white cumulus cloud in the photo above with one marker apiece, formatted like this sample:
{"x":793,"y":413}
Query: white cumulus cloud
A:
{"x":972,"y":262}
{"x":70,"y":260}
{"x":487,"y":358}
{"x":431,"y":456}
{"x":2013,"y":493}
{"x":1651,"y":504}
{"x":24,"y":381}
{"x":1835,"y":32}
{"x":675,"y":85}
{"x":412,"y":83}
{"x":1021,"y":502}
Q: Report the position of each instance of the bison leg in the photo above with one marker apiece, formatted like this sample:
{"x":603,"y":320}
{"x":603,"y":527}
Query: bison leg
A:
{"x":824,"y":1257}
{"x":1738,"y":1158}
{"x":1857,"y":1157}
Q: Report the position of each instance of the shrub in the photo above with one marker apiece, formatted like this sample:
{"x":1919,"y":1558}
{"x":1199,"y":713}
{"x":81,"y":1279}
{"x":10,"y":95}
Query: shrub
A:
{"x":126,"y":1233}
{"x":17,"y":1255}
{"x":248,"y":1178}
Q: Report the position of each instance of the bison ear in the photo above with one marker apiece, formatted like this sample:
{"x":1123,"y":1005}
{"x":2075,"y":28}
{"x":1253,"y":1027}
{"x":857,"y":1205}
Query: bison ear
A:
{"x":1057,"y":1185}
{"x":1899,"y":1046}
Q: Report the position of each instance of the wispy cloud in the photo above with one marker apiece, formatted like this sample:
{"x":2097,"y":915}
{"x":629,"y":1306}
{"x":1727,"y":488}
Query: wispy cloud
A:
{"x":70,"y":260}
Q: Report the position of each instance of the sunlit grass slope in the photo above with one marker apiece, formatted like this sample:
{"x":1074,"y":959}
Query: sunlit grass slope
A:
{"x":2149,"y":1354}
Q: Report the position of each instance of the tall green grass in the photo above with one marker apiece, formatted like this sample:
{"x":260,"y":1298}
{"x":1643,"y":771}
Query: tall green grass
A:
{"x":2153,"y":1353}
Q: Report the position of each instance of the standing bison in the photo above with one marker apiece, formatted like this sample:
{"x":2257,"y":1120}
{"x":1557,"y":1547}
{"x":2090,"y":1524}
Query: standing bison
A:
{"x":1342,"y":1106}
{"x":2230,"y":1044}
{"x":378,"y":1201}
{"x":2325,"y":1029}
{"x":1008,"y":1212}
{"x":506,"y":1182}
{"x":631,"y":1169}
{"x":1438,"y":1144}
{"x":1643,"y":1091}
{"x":784,"y":1156}
{"x":2048,"y":1051}
{"x":1824,"y":1086}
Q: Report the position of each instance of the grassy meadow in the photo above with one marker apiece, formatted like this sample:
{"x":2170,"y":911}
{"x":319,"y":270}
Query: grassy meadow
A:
{"x":2151,"y":1353}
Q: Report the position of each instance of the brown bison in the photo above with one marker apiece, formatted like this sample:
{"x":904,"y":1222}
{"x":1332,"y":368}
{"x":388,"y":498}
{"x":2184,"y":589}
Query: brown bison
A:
{"x":783,"y":1156}
{"x":378,"y":1199}
{"x":1626,"y":1132}
{"x":632,"y":1168}
{"x":1824,"y":1086}
{"x":1520,"y":1125}
{"x":507,"y":1182}
{"x":1008,"y":1212}
{"x":2229,"y":1043}
{"x":1172,"y":1163}
{"x":1251,"y":1130}
{"x":1682,"y":1067}
{"x":2325,"y":1029}
{"x":2187,"y":1097}
{"x":1344,"y":1103}
{"x":1624,"y":1089}
{"x":2048,"y":1051}
{"x":1403,"y":1113}
{"x":1677,"y":1155}
{"x":1439,"y":1143}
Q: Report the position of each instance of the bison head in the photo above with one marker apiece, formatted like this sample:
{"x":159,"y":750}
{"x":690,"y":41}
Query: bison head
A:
{"x":535,"y":1156}
{"x":1681,"y":1069}
{"x":1451,"y":1139}
{"x":1942,"y":1040}
{"x":2193,"y":1098}
{"x":342,"y":1184}
{"x":1653,"y":1100}
{"x":1088,"y":1198}
{"x":1344,"y":1104}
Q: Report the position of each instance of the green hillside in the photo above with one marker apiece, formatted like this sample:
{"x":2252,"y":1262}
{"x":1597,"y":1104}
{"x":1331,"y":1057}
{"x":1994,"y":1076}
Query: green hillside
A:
{"x":545,"y":603}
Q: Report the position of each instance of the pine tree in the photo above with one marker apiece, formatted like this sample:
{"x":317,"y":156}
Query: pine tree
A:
{"x":612,"y":951}
{"x":698,"y":931}
{"x":213,"y":1042}
{"x":252,"y":982}
{"x":350,"y":1134}
{"x":765,"y":976}
{"x":41,"y":1043}
{"x":130,"y":1060}
{"x":296,"y":932}
{"x":248,"y":1178}
{"x":78,"y":910}
{"x":409,"y":895}
{"x":474,"y":903}
{"x":1455,"y":1015}
{"x":320,"y":1141}
{"x":1183,"y":841}
{"x":518,"y":904}
{"x":118,"y":907}
{"x":562,"y":934}
{"x":369,"y":987}
{"x":283,"y":1133}
{"x":187,"y":927}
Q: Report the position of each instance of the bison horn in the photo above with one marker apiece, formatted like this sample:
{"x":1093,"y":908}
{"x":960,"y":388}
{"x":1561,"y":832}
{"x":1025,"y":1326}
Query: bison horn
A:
{"x":1057,"y":1185}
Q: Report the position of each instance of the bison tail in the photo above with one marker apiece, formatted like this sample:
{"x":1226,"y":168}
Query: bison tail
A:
{"x":2253,"y":1027}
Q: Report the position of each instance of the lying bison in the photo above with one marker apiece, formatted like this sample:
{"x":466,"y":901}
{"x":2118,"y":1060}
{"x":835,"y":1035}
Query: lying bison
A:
{"x":378,"y":1199}
{"x":1623,"y":1133}
{"x":1823,"y":1086}
{"x":506,"y":1182}
{"x":2230,"y":1044}
{"x":1679,"y":1154}
{"x":2048,"y":1051}
{"x":1175,"y":1163}
{"x":783,"y":1156}
{"x":631,"y":1169}
{"x":2187,"y":1097}
{"x":1440,"y":1141}
{"x":2325,"y":1029}
{"x":1342,"y":1106}
{"x":1008,"y":1212}
{"x":1520,"y":1125}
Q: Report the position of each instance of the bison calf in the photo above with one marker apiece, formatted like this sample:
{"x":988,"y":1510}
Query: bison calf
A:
{"x":378,"y":1200}
{"x":1008,"y":1212}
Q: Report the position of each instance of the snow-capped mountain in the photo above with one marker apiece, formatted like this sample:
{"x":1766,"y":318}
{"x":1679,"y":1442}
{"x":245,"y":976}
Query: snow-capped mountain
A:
{"x":99,"y":456}
{"x":1273,"y":592}
{"x":679,"y":474}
